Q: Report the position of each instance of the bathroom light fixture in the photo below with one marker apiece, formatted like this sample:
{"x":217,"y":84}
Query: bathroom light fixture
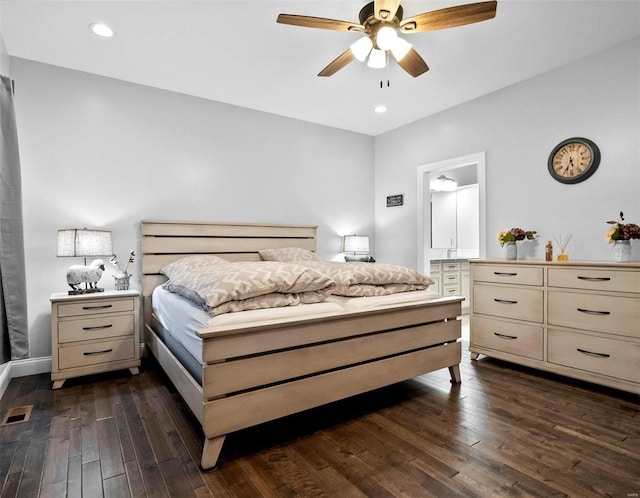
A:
{"x":380,"y":109}
{"x":101,"y":30}
{"x":444,"y":184}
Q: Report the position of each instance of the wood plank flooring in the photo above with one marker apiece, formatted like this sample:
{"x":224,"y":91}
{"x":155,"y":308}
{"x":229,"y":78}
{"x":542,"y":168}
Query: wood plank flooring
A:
{"x":505,"y":431}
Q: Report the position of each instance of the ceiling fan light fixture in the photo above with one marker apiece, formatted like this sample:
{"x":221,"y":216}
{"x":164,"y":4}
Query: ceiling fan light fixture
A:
{"x":377,"y":59}
{"x":361,"y":48}
{"x":400,"y":48}
{"x":385,"y":37}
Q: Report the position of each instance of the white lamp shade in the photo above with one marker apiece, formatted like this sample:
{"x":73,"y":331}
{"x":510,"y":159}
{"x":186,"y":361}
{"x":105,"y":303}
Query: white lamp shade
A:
{"x":357,"y":244}
{"x":385,"y":37}
{"x":361,"y":48}
{"x":377,"y":59}
{"x":80,"y":242}
{"x":399,"y":48}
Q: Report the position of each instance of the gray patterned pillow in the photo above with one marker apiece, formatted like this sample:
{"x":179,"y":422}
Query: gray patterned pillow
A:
{"x":288,"y":254}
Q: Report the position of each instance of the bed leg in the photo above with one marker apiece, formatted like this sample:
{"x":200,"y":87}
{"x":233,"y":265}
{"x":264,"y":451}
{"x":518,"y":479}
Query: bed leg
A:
{"x":454,"y":371}
{"x":474,"y":356}
{"x":211,"y":452}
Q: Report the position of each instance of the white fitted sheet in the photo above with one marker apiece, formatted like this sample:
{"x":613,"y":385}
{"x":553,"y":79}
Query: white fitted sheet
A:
{"x":182,"y":318}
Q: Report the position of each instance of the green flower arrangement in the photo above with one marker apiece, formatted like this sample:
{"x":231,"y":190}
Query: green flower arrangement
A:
{"x":515,"y":234}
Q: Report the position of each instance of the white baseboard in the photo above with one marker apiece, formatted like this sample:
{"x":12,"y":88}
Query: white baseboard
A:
{"x":30,"y":366}
{"x":5,"y":377}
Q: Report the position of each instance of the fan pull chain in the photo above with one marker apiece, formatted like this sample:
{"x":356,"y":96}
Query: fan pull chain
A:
{"x":387,"y":67}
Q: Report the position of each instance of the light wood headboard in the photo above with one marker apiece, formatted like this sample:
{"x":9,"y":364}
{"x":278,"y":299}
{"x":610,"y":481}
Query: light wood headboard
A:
{"x":166,"y":241}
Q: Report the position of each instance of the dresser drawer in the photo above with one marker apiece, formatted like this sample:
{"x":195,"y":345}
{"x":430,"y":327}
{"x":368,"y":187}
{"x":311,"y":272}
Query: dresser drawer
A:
{"x":95,"y":328}
{"x":599,"y":355}
{"x":592,"y":279}
{"x":514,"y":338}
{"x":96,"y":353}
{"x":505,"y":274}
{"x":95,"y":307}
{"x":508,"y":302}
{"x":611,"y":314}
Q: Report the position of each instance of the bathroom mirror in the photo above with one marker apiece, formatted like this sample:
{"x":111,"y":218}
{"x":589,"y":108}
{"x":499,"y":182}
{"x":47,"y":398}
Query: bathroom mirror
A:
{"x":451,"y":210}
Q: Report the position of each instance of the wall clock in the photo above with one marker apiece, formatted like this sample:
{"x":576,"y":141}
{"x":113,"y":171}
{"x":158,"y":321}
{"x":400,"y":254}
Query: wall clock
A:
{"x":574,"y":160}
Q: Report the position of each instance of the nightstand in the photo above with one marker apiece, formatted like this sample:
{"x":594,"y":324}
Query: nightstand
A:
{"x":93,"y":333}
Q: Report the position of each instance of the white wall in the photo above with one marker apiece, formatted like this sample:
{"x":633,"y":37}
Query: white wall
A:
{"x":596,"y":98}
{"x":101,"y":153}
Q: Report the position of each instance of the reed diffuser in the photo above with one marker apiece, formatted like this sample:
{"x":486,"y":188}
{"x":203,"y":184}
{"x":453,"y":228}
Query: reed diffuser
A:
{"x":562,"y":243}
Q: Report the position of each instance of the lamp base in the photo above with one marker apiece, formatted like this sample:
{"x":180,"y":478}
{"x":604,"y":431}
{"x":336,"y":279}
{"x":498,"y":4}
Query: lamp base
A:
{"x":77,"y":292}
{"x":360,"y":259}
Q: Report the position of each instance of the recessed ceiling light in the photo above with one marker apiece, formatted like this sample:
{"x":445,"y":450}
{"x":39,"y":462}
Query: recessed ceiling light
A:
{"x":380,"y":109}
{"x":101,"y":30}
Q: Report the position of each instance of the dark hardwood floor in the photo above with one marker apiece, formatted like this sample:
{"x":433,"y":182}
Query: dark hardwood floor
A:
{"x":505,"y":431}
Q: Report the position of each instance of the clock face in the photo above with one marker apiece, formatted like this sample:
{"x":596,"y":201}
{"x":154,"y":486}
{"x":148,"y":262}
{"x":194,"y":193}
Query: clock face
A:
{"x":574,"y":160}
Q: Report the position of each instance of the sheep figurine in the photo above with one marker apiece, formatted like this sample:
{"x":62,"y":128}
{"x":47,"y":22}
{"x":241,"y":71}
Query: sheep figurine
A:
{"x":76,"y":274}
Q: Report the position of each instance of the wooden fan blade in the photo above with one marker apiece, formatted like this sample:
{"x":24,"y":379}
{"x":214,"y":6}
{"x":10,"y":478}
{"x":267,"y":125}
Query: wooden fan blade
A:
{"x":450,"y":17}
{"x":318,"y":22}
{"x":385,"y":10}
{"x":413,"y":64}
{"x":338,"y":63}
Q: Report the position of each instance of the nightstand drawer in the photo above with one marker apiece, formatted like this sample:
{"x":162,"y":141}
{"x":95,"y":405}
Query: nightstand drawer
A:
{"x":504,"y":274}
{"x":514,"y":338}
{"x":84,"y":355}
{"x":95,"y":328}
{"x":600,"y":355}
{"x":508,"y":302}
{"x":95,"y":307}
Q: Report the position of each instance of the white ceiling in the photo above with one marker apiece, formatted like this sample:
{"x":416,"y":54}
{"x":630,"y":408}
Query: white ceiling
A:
{"x":235,"y":52}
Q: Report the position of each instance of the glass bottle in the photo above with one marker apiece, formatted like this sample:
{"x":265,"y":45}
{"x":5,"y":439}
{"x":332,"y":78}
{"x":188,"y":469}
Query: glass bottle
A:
{"x":548,"y":251}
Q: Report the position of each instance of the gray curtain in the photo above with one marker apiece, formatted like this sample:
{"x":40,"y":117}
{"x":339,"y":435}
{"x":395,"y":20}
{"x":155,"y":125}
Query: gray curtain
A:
{"x":14,"y":337}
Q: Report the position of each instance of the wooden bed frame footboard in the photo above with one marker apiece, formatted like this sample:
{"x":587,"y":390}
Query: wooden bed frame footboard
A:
{"x":264,"y":371}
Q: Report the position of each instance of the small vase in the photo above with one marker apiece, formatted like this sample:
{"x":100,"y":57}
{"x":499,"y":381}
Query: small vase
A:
{"x":622,"y":251}
{"x":563,"y":256}
{"x":122,"y":281}
{"x":512,"y":250}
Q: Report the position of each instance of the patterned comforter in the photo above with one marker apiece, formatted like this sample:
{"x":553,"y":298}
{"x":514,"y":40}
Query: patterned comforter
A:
{"x":357,"y":279}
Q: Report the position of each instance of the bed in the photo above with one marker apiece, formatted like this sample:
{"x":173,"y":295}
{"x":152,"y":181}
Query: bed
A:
{"x":268,"y":368}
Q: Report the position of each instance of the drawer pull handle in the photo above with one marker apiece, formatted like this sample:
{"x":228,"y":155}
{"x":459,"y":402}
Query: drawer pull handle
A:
{"x":97,"y":307}
{"x":98,"y":327}
{"x":595,"y":279}
{"x":593,"y":312}
{"x":93,"y":353}
{"x":505,"y":274}
{"x":505,"y":301}
{"x":591,"y":353}
{"x":503,"y":336}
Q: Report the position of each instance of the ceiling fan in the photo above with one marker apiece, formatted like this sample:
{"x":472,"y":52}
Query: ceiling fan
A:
{"x":380,"y":22}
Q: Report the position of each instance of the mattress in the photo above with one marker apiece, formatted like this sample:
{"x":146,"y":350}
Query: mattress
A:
{"x":181,"y":318}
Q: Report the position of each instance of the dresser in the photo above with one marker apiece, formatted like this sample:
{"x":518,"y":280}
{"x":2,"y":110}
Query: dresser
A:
{"x":578,"y":319}
{"x":93,"y":333}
